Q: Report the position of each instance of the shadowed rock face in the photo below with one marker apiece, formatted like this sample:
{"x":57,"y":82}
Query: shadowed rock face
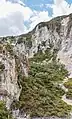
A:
{"x":55,"y":35}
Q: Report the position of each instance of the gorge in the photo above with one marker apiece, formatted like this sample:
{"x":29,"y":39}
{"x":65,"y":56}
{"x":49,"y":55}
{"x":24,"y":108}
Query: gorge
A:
{"x":32,"y":67}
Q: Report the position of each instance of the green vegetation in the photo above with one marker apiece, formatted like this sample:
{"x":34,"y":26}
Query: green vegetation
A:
{"x":26,"y":40}
{"x":69,"y":86}
{"x":69,"y":94}
{"x":4,"y":113}
{"x":1,"y":48}
{"x":2,"y":67}
{"x":9,"y":48}
{"x":39,"y":57}
{"x":41,"y":95}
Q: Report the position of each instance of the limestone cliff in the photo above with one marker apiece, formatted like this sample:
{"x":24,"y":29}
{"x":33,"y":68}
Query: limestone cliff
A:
{"x":55,"y":35}
{"x":9,"y":62}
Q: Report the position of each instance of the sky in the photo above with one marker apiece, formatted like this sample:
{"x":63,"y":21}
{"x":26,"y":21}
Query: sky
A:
{"x":21,"y":16}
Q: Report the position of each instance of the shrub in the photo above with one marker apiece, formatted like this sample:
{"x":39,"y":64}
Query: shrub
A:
{"x":68,"y":84}
{"x":40,"y":96}
{"x":4,"y":113}
{"x":69,"y":94}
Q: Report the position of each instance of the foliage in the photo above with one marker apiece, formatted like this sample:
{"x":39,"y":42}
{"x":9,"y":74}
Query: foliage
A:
{"x":69,"y":94}
{"x":1,"y":48}
{"x":40,"y":56}
{"x":4,"y":113}
{"x":68,"y":84}
{"x":2,"y":67}
{"x":26,"y":40}
{"x":9,"y":48}
{"x":40,"y":95}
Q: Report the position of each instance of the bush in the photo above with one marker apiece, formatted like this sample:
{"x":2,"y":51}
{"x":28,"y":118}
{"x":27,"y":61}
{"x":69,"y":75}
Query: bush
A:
{"x":40,"y":56}
{"x":4,"y":113}
{"x":68,"y":84}
{"x":69,"y":94}
{"x":9,"y":48}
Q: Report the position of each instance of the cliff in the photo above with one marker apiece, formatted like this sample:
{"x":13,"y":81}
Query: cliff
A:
{"x":53,"y":40}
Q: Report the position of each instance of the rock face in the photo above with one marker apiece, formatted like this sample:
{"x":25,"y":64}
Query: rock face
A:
{"x":9,"y":89}
{"x":55,"y":35}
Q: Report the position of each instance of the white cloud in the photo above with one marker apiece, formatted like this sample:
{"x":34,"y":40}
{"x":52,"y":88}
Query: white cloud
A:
{"x":61,"y":7}
{"x":2,"y":1}
{"x":12,"y":24}
{"x":14,"y":14}
{"x":58,"y":2}
{"x":12,"y":17}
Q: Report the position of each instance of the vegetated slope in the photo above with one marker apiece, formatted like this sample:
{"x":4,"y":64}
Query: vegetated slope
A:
{"x":30,"y":64}
{"x":41,"y":94}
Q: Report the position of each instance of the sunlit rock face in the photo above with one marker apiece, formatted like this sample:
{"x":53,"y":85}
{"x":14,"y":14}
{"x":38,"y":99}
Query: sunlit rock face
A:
{"x":55,"y":35}
{"x":9,"y":89}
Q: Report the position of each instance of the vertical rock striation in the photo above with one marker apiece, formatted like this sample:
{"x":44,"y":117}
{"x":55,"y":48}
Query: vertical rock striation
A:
{"x":55,"y":35}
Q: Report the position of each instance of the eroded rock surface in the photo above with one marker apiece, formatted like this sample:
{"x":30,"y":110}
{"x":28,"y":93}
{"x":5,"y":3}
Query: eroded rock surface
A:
{"x":55,"y":35}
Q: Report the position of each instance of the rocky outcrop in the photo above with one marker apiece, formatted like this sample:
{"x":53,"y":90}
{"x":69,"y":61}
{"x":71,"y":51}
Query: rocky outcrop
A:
{"x":55,"y":35}
{"x":9,"y":89}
